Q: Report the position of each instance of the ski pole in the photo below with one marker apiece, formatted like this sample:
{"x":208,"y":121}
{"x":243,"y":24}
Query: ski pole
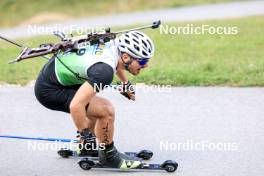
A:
{"x":40,"y":138}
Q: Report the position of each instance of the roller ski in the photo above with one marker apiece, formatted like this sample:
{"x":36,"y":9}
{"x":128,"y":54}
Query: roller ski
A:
{"x":168,"y":165}
{"x":110,"y":158}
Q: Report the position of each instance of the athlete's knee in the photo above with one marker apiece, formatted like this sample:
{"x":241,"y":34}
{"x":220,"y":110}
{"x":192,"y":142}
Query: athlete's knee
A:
{"x":101,"y":108}
{"x":108,"y":110}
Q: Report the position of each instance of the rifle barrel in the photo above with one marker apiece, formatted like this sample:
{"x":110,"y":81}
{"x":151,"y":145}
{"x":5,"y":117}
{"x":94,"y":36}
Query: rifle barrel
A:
{"x":154,"y":25}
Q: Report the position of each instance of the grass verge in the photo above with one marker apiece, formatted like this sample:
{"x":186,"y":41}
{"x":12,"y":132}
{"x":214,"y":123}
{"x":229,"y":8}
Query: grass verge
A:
{"x":180,"y":60}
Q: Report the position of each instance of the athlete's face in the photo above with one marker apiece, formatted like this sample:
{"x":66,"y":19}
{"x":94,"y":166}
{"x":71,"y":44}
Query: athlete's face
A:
{"x":134,"y":68}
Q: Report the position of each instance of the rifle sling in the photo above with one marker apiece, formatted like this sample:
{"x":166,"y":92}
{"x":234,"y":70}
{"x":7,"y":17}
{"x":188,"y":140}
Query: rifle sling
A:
{"x":77,"y":75}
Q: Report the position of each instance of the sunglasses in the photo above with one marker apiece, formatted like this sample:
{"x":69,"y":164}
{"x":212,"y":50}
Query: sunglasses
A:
{"x":142,"y":62}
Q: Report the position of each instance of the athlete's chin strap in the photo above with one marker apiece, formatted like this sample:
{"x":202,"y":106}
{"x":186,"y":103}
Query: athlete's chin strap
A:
{"x":126,"y":64}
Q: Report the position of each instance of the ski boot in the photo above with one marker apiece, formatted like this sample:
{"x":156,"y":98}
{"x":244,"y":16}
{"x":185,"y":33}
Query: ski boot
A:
{"x":112,"y":158}
{"x":87,"y":147}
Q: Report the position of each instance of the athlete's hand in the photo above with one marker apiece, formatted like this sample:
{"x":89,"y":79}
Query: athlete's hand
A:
{"x":127,"y":90}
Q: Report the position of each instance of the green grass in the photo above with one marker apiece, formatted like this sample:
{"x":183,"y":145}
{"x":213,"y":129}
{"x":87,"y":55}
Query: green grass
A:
{"x":22,"y":72}
{"x":180,"y":60}
{"x":16,"y":12}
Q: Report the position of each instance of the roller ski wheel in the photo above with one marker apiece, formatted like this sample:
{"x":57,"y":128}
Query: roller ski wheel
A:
{"x":86,"y":164}
{"x":65,"y":153}
{"x":169,"y":166}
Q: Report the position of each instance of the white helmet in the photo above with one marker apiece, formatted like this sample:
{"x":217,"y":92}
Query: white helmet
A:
{"x":137,"y":44}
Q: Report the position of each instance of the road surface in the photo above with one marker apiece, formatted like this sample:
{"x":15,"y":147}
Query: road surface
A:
{"x":173,"y":124}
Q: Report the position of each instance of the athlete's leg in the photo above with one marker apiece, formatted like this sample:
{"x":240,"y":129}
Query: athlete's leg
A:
{"x":103,"y":111}
{"x":101,"y":114}
{"x":91,"y":122}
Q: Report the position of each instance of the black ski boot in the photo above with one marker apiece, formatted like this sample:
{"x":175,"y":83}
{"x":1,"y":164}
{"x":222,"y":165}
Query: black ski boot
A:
{"x":87,"y":147}
{"x":110,"y":157}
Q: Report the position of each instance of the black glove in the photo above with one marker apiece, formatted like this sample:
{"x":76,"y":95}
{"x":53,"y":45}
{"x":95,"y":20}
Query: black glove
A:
{"x":127,"y":90}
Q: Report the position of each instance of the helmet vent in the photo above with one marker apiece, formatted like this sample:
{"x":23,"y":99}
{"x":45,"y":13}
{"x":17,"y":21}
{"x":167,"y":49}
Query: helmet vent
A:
{"x":136,"y":41}
{"x":149,"y":44}
{"x":135,"y":35}
{"x":131,"y":51}
{"x":136,"y":47}
{"x":139,"y":34}
{"x":127,"y":41}
{"x":144,"y":43}
{"x":144,"y":53}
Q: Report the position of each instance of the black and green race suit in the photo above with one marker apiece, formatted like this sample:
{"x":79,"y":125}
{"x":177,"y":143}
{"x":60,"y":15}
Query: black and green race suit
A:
{"x":57,"y":82}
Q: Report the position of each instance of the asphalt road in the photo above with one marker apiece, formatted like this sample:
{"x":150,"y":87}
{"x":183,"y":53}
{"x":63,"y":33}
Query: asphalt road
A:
{"x":192,"y":13}
{"x":187,"y":119}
